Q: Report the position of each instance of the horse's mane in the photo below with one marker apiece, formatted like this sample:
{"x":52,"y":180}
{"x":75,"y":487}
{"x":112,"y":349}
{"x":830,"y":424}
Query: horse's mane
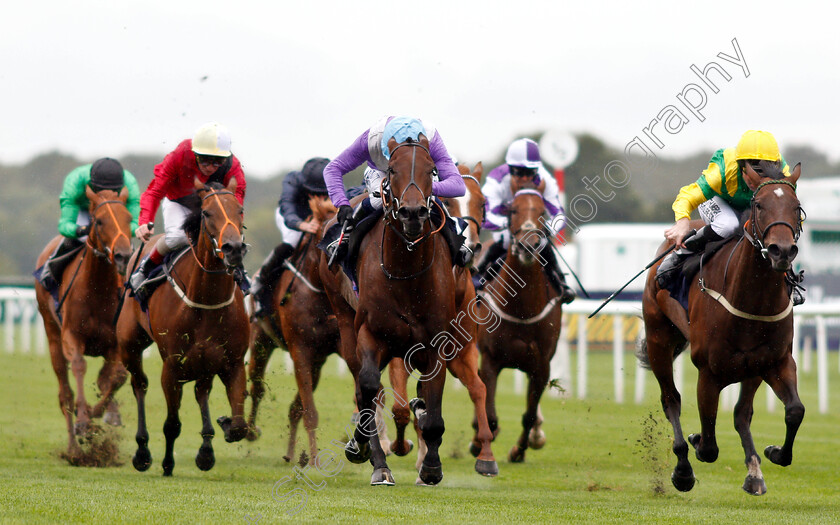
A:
{"x":192,"y":224}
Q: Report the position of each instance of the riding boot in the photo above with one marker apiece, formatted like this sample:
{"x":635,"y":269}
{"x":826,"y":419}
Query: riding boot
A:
{"x":461,"y":253}
{"x":556,"y":277}
{"x":494,"y":252}
{"x":55,"y":265}
{"x":262,"y":285}
{"x":144,"y":269}
{"x":671,"y":266}
{"x":362,"y":210}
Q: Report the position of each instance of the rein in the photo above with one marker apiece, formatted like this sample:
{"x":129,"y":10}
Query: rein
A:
{"x":494,"y":306}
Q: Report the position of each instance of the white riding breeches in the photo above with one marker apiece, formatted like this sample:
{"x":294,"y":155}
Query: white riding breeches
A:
{"x":290,"y":236}
{"x":174,"y":216}
{"x":717,"y":213}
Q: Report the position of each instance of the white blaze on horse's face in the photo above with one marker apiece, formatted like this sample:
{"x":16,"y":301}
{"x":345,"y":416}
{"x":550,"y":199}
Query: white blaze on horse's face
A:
{"x":779,"y":193}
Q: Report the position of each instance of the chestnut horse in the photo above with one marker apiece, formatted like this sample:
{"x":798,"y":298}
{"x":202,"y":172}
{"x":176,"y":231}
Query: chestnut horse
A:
{"x":200,"y":326}
{"x":526,"y":314}
{"x":739,"y":326}
{"x":89,"y":294}
{"x":406,"y":300}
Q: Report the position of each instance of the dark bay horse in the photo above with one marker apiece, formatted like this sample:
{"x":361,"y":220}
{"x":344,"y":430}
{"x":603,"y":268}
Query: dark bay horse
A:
{"x":200,"y":326}
{"x":302,"y":322}
{"x":525,"y":313}
{"x":406,"y":299}
{"x":740,"y":330}
{"x":89,"y":293}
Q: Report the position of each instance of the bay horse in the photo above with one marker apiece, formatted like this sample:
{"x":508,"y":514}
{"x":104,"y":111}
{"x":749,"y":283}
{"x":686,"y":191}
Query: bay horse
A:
{"x":526,"y":318}
{"x":83,"y":323}
{"x":406,"y":299}
{"x":740,"y":328}
{"x":200,"y":326}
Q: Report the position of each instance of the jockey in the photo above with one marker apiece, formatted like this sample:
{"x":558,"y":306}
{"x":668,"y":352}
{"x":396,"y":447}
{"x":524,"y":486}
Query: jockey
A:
{"x":290,"y":217}
{"x":522,"y":164}
{"x":74,"y":224}
{"x":371,"y":147}
{"x":206,"y":157}
{"x":720,"y":195}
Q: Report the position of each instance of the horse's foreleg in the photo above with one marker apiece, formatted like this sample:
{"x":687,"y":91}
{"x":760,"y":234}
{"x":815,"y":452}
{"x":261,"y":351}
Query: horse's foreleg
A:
{"x":536,"y":439}
{"x":783,"y":382}
{"x":172,"y":391}
{"x":78,"y":366}
{"x":661,"y":363}
{"x":307,"y":372}
{"x":65,"y":393}
{"x":131,"y":341}
{"x":112,"y":376}
{"x":489,"y":375}
{"x":234,"y":427}
{"x":536,"y":385}
{"x":708,"y":397}
{"x":465,"y":368}
{"x":402,"y":415}
{"x":754,"y":484}
{"x":261,"y":349}
{"x":431,"y":423}
{"x":366,"y":436}
{"x":295,"y":415}
{"x":205,"y":459}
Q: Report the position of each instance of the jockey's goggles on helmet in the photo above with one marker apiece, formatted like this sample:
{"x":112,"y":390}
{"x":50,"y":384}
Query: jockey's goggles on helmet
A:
{"x":522,"y":172}
{"x":210,"y":160}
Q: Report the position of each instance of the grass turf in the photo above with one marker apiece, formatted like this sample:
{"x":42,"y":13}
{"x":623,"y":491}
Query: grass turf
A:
{"x":604,"y":462}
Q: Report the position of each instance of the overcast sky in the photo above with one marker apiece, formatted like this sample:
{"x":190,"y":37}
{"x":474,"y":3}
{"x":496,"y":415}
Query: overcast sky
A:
{"x":302,"y":78}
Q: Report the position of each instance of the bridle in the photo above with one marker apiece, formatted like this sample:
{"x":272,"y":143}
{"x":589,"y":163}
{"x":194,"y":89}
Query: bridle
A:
{"x":527,"y":226}
{"x":108,"y":251}
{"x":754,"y":228}
{"x":391,"y":203}
{"x":217,"y":250}
{"x":470,"y":218}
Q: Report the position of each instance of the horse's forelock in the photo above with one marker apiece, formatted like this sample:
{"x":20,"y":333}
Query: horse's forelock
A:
{"x":770,"y":170}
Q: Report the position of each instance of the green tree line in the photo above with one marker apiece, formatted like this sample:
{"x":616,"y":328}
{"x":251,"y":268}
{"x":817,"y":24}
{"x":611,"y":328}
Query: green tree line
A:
{"x":29,"y":207}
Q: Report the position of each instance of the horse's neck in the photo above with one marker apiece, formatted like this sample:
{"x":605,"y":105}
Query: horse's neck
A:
{"x":311,"y":258}
{"x":525,"y":287}
{"x":399,"y":261}
{"x":210,"y":286}
{"x":751,"y":283}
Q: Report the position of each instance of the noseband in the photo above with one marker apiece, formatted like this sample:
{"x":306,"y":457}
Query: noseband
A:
{"x":109,"y":250}
{"x":753,"y":235}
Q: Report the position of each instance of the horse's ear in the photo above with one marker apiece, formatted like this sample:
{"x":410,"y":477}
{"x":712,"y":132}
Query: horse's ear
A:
{"x":423,"y":140}
{"x":478,"y":171}
{"x":751,"y":177}
{"x":123,"y":196}
{"x":91,"y":195}
{"x":232,"y":185}
{"x":794,"y":175}
{"x":392,"y":143}
{"x":463,"y":169}
{"x":541,"y":186}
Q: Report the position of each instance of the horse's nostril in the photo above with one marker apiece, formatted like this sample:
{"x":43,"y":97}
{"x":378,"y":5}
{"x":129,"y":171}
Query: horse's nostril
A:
{"x":403,"y":213}
{"x":774,"y":251}
{"x":793,"y":252}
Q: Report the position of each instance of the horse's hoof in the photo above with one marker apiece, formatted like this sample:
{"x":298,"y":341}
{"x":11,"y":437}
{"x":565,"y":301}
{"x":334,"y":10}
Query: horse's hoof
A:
{"x":536,"y":440}
{"x":232,"y":433}
{"x":683,"y":483}
{"x":288,"y":459}
{"x":431,"y":475}
{"x":754,"y":486}
{"x":113,"y":419}
{"x":81,"y":430}
{"x":382,"y":477}
{"x":774,"y":454}
{"x":705,"y":455}
{"x":487,"y":468}
{"x":475,"y":449}
{"x":357,"y":453}
{"x":402,"y":451}
{"x":516,"y":455}
{"x":142,"y":460}
{"x":254,"y":433}
{"x":419,"y":482}
{"x":205,"y":459}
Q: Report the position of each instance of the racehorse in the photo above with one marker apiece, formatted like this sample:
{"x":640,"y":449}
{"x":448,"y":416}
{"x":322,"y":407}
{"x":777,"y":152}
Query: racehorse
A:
{"x":406,"y":300}
{"x":526,"y":314}
{"x":740,"y":329}
{"x":82,"y":324}
{"x":200,"y":326}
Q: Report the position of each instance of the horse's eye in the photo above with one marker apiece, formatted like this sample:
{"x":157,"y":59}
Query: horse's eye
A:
{"x":99,"y":222}
{"x":757,"y":205}
{"x":205,"y":213}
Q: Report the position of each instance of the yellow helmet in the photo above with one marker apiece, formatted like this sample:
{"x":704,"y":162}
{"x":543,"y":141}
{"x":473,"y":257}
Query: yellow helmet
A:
{"x":212,"y":139}
{"x":760,"y":145}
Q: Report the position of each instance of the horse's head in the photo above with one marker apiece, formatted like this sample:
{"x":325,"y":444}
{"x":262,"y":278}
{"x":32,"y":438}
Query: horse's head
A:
{"x":110,"y":228}
{"x":221,"y":221}
{"x":321,"y":207}
{"x":776,"y":215}
{"x":407,"y":191}
{"x":470,"y":206}
{"x":527,"y":237}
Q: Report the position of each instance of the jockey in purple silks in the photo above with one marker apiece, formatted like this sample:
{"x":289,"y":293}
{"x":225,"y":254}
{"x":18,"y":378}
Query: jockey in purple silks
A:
{"x":522,"y":161}
{"x":371,"y":147}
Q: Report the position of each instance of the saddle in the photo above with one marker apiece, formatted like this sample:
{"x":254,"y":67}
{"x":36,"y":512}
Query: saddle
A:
{"x":348,"y":264}
{"x":691,"y":266}
{"x":156,"y":277}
